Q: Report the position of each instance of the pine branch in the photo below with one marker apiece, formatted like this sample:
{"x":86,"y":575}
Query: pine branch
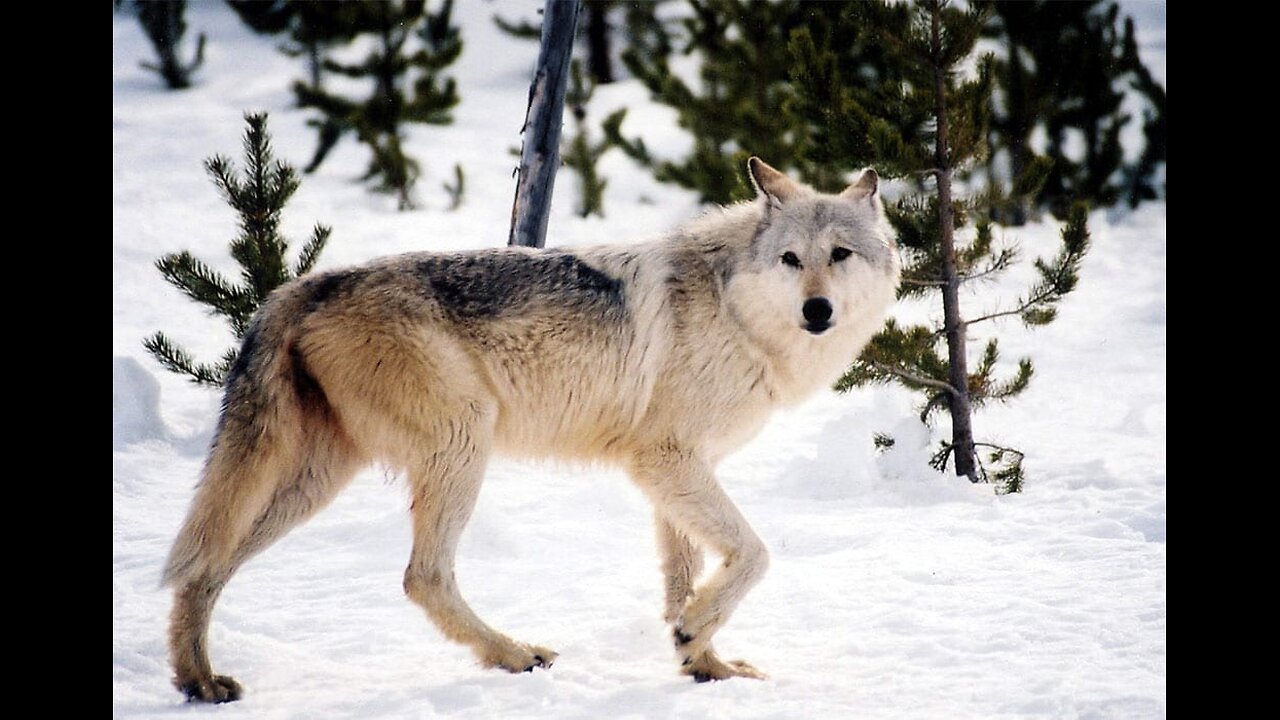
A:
{"x":163,"y":23}
{"x":938,"y":461}
{"x":201,"y":283}
{"x":1001,"y":262}
{"x":1004,"y":390}
{"x":984,"y":388}
{"x":1010,"y":477}
{"x":914,"y":378}
{"x":311,"y":250}
{"x":179,"y":361}
{"x":224,"y":176}
{"x":1057,"y":279}
{"x":523,"y":29}
{"x":922,"y":283}
{"x":636,"y":150}
{"x":1005,"y":313}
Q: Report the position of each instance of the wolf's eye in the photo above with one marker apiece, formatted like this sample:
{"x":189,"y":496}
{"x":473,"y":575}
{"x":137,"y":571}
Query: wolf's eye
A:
{"x":840,"y":253}
{"x":789,"y":258}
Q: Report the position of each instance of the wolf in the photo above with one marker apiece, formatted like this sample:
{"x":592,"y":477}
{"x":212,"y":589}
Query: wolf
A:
{"x":660,"y":357}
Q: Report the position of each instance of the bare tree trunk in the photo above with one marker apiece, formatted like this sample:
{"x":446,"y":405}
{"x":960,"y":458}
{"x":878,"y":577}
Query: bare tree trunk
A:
{"x":540,"y":156}
{"x":961,"y":417}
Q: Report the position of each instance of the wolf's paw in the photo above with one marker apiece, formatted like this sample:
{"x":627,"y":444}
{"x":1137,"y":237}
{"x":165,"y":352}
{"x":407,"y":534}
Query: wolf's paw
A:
{"x":708,"y":666}
{"x":517,"y":657}
{"x":216,"y":689}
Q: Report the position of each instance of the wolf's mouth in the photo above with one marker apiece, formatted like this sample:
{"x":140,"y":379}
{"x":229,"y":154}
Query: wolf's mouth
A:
{"x":817,"y":327}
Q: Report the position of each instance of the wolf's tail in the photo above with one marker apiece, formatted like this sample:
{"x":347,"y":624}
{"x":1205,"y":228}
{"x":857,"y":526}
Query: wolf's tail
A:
{"x":269,"y":407}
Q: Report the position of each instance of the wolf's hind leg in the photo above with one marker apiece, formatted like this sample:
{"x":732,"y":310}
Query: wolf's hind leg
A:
{"x":189,"y":642}
{"x":688,"y":498}
{"x":445,"y":488}
{"x":322,"y":467}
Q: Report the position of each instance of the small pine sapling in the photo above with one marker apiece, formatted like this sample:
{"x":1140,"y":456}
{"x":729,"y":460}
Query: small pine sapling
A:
{"x":258,"y":197}
{"x":313,"y":29}
{"x":948,"y":135}
{"x":391,"y":65}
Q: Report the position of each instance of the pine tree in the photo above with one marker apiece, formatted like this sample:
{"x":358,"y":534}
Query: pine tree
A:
{"x":314,"y":28}
{"x":377,"y":120}
{"x":743,"y":104}
{"x":929,"y":47}
{"x":738,"y":110}
{"x":1140,"y":178}
{"x":258,"y":196}
{"x":1065,"y":72}
{"x":164,"y":24}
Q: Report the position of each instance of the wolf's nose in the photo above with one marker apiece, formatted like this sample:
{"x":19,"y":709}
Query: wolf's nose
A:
{"x":817,"y":309}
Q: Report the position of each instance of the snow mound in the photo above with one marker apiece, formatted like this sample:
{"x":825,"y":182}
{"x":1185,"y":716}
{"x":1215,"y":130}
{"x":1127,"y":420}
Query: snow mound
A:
{"x":135,"y":404}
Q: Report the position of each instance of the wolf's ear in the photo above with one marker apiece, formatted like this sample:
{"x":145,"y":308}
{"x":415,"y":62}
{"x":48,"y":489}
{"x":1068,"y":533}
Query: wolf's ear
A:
{"x":865,"y":187}
{"x":768,"y":181}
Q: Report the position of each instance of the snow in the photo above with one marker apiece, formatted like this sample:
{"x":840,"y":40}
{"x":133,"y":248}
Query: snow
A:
{"x":135,"y":404}
{"x":894,"y":591}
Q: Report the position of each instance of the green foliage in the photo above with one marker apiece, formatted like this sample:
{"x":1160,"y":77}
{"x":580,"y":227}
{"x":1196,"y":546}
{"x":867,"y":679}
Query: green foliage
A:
{"x":258,"y":196}
{"x":163,"y":22}
{"x":1003,"y":466}
{"x":635,"y":149}
{"x":411,"y":47}
{"x":810,"y":86}
{"x":1065,"y":72}
{"x":918,"y":357}
{"x":1060,"y":276}
{"x":1140,"y":178}
{"x":314,"y":29}
{"x":738,"y":108}
{"x":839,"y":69}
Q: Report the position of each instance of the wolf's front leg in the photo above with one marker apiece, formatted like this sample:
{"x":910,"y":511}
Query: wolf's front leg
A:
{"x":690,"y":504}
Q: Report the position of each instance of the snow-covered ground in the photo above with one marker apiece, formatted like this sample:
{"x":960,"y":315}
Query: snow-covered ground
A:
{"x":894,"y":591}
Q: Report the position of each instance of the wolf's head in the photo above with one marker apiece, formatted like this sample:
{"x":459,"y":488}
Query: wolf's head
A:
{"x":819,"y":265}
